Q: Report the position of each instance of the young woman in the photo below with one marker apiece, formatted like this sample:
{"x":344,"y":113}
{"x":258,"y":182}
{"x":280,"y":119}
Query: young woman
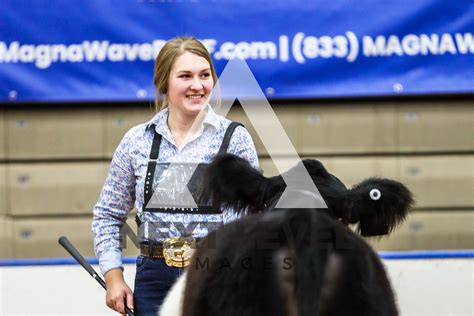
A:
{"x":157,"y":168}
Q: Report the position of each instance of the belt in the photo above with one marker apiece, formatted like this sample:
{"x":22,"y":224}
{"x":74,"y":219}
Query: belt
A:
{"x":153,"y":251}
{"x":176,"y":251}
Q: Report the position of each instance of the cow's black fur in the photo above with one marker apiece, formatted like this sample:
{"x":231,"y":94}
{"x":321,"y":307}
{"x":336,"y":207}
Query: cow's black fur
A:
{"x":287,"y":263}
{"x":293,"y":261}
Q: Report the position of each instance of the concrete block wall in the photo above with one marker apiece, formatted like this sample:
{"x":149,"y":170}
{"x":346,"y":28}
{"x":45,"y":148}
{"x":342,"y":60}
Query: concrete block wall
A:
{"x":53,"y":162}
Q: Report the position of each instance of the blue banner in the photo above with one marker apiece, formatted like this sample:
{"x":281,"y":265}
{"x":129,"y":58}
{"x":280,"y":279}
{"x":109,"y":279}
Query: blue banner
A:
{"x":104,"y":50}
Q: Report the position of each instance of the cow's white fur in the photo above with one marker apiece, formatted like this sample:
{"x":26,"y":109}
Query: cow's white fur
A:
{"x":173,"y":303}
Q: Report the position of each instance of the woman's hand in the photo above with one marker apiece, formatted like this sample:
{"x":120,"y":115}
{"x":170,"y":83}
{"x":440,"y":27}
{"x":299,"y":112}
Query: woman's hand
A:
{"x":118,"y":291}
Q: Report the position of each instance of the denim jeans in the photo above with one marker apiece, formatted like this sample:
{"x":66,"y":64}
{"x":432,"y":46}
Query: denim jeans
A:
{"x":153,"y":280}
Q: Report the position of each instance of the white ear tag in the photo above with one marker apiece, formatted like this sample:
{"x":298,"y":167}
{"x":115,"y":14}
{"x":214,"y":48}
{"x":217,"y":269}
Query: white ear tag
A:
{"x":375,"y":194}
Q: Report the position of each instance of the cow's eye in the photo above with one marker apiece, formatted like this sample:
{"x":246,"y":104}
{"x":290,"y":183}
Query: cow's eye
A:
{"x":375,"y":194}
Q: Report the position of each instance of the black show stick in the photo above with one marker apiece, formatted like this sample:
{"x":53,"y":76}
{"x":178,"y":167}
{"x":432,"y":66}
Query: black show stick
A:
{"x":63,"y":241}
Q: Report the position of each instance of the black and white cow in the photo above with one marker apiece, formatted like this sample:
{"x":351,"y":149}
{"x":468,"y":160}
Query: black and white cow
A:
{"x":291,"y":261}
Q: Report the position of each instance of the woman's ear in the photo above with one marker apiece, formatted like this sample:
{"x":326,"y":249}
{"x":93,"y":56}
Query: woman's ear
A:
{"x":381,"y":205}
{"x":231,"y":181}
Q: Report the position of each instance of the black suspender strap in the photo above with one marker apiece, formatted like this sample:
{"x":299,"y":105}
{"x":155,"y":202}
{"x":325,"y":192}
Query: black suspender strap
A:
{"x":155,"y":147}
{"x":227,"y":137}
{"x":150,"y":172}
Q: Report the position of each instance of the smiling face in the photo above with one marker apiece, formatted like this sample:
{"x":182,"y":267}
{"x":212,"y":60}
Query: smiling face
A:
{"x":190,"y":84}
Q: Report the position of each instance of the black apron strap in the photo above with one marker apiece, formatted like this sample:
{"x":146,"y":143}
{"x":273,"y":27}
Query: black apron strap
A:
{"x":150,"y":172}
{"x":227,"y":137}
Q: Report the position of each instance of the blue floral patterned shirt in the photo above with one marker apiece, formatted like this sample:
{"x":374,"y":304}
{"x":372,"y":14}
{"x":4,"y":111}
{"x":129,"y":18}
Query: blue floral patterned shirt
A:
{"x":124,"y":184}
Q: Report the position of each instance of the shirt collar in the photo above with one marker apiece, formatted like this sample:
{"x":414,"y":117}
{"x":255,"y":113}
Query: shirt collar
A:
{"x":211,"y":117}
{"x":161,"y":117}
{"x":161,"y":127}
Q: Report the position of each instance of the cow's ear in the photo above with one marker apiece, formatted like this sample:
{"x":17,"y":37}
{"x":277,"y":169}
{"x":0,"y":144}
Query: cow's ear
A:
{"x":380,"y":205}
{"x":231,"y":182}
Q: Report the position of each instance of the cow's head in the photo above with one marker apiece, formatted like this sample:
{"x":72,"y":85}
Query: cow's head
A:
{"x":377,"y":205}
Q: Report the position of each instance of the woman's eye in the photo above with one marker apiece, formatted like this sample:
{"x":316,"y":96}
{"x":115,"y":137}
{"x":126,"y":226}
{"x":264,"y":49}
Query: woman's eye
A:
{"x":184,"y":76}
{"x":206,"y":75}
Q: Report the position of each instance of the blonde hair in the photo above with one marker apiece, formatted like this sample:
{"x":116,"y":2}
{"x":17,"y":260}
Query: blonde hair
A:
{"x":165,"y":60}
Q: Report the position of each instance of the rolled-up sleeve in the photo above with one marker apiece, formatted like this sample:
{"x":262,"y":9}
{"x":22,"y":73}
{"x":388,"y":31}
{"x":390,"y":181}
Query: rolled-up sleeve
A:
{"x":111,"y":210}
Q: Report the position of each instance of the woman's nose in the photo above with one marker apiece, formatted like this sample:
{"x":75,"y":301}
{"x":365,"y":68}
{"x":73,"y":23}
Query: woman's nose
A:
{"x":196,"y":84}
